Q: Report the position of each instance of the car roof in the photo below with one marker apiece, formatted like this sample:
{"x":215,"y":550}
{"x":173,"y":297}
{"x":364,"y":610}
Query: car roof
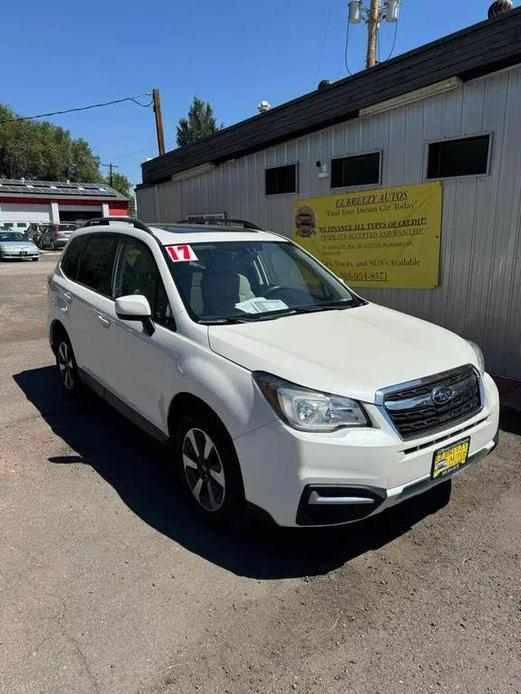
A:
{"x":175,"y":233}
{"x":201,"y":233}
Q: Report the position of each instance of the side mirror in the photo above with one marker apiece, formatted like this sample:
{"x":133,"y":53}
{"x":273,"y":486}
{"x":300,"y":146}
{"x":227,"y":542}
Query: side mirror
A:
{"x":135,"y":307}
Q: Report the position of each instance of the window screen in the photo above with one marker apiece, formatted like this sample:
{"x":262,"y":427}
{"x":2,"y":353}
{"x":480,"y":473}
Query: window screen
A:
{"x":281,"y":179}
{"x":464,"y":157}
{"x":137,"y":273}
{"x":359,"y":170}
{"x":71,"y":258}
{"x":95,"y":269}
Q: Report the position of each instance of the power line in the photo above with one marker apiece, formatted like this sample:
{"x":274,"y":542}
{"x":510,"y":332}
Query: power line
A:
{"x":394,"y":41}
{"x":116,"y":157}
{"x":346,"y":46}
{"x":133,"y":99}
{"x":326,"y":30}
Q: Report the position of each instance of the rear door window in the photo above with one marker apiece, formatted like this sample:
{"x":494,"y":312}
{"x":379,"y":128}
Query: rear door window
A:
{"x":95,"y":268}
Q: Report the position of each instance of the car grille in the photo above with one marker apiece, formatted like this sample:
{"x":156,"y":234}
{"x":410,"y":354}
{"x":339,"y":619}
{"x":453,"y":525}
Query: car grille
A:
{"x":414,"y":412}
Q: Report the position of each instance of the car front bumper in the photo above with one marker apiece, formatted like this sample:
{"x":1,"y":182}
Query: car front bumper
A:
{"x":6,"y":255}
{"x":303,"y":478}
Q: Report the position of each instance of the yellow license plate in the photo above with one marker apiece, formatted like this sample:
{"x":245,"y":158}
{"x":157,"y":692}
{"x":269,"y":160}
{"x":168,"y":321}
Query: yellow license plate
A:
{"x":447,"y":459}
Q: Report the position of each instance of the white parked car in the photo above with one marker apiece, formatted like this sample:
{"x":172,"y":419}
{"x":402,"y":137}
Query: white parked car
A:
{"x":275,"y":384}
{"x":14,"y":246}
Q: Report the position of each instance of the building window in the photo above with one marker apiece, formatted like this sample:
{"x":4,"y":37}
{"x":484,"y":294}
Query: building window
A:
{"x":360,"y":170}
{"x":281,"y":179}
{"x":467,"y":156}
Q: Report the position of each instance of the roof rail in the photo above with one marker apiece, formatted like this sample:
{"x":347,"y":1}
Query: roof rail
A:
{"x":224,"y":221}
{"x":137,"y":223}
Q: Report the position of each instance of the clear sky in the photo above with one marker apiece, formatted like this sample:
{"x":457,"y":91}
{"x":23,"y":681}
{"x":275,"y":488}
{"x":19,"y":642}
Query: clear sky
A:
{"x":233,"y":53}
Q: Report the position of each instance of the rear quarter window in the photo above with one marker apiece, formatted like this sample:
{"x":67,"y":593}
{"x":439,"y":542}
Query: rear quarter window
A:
{"x":70,"y":262}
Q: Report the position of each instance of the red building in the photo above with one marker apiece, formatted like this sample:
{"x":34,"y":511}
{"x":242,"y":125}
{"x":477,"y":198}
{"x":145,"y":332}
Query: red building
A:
{"x":23,"y":201}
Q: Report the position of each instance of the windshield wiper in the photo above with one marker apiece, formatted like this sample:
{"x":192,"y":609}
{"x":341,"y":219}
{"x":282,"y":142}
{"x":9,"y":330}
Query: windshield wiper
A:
{"x":338,"y":305}
{"x":326,"y":306}
{"x":222,"y":321}
{"x":248,"y":317}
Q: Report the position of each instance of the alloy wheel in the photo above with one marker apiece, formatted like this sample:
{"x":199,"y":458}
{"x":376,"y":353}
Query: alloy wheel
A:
{"x":66,"y":365}
{"x":203,"y":469}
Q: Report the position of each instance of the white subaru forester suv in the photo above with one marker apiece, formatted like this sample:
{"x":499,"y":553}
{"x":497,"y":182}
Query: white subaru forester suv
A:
{"x":275,"y":385}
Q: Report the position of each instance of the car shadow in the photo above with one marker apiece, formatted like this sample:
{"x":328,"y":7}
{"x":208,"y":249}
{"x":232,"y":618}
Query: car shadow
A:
{"x":510,"y":420}
{"x":134,"y":465}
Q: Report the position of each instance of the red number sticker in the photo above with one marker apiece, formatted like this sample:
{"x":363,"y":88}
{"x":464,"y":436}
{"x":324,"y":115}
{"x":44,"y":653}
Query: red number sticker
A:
{"x":181,"y":253}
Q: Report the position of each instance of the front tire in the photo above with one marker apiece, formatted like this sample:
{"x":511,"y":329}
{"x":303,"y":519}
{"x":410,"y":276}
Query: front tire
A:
{"x":208,"y":467}
{"x":67,"y":367}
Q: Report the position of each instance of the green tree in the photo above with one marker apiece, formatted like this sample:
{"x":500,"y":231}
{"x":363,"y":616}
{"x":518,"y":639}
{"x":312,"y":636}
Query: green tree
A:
{"x":122,"y":184}
{"x":200,"y":123}
{"x":43,"y":151}
{"x":83,"y":164}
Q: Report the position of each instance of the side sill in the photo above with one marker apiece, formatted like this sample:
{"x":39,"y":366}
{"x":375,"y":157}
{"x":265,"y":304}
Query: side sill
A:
{"x":122,"y":407}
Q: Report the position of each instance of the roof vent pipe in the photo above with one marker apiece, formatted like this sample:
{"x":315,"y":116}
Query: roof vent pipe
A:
{"x":500,"y":7}
{"x":324,"y":84}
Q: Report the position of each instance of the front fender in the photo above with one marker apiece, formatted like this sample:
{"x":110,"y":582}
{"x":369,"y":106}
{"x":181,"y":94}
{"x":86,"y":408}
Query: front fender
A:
{"x":227,"y":388}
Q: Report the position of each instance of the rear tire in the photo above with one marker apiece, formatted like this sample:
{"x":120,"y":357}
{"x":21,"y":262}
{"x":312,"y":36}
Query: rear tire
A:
{"x":208,"y":467}
{"x":66,"y":363}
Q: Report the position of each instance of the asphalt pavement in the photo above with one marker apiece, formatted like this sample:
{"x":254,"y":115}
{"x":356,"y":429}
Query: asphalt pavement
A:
{"x":109,"y":584}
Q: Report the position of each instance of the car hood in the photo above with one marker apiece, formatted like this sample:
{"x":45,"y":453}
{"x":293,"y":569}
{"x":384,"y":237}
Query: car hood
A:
{"x":352,"y":352}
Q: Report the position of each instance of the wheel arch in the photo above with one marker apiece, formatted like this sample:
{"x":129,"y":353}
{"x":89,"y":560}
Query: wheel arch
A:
{"x":185,"y":402}
{"x":55,"y":330}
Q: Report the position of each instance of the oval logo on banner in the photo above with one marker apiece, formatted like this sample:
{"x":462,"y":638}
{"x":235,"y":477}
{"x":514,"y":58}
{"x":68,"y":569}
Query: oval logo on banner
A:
{"x":441,"y":396}
{"x":305,"y":222}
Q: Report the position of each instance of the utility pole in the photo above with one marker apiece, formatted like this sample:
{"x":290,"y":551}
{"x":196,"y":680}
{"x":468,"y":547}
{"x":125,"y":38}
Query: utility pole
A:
{"x":373,"y":12}
{"x":373,"y":26}
{"x":156,"y":99}
{"x":110,"y":167}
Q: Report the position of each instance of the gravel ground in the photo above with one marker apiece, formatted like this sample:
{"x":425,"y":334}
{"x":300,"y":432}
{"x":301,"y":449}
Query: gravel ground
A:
{"x":108,"y":584}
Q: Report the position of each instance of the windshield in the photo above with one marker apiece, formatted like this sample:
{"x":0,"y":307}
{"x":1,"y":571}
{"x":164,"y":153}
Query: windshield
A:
{"x":11,"y":236}
{"x":244,"y":281}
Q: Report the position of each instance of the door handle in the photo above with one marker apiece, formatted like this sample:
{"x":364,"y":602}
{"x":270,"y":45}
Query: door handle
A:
{"x":67,"y":297}
{"x":104,"y":321}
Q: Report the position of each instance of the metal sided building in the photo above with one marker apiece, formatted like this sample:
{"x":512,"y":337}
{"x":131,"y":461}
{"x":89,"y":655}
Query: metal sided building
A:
{"x":449,"y":111}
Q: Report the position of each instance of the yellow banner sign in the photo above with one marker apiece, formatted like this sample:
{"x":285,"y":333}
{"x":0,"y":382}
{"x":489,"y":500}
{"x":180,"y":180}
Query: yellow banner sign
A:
{"x":388,"y":237}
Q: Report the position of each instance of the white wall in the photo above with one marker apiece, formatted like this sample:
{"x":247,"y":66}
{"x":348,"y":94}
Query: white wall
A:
{"x":480,"y":292}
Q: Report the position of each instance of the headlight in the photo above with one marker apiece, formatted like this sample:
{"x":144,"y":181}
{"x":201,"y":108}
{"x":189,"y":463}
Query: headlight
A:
{"x":309,"y":410}
{"x":479,"y":356}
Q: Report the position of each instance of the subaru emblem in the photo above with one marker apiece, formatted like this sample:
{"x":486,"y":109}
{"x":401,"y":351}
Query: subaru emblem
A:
{"x":442,"y":395}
